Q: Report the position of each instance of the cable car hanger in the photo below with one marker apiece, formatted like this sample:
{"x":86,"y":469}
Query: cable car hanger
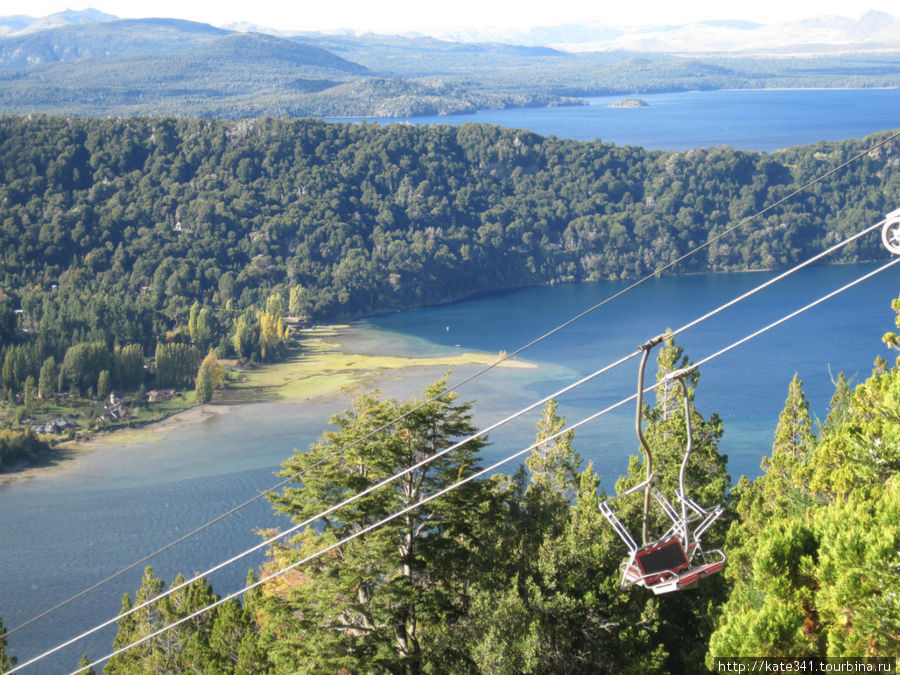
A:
{"x":676,"y":560}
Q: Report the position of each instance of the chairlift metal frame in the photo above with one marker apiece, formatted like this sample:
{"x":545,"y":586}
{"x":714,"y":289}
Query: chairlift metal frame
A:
{"x":676,"y":560}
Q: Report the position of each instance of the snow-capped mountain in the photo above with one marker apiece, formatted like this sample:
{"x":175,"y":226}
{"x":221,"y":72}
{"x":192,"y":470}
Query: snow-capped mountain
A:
{"x":874,"y":31}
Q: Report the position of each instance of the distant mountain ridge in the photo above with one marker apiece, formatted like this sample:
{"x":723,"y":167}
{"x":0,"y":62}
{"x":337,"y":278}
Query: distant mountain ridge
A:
{"x":21,"y":25}
{"x":107,"y":39}
{"x":90,"y":63}
{"x":174,"y":67}
{"x":873,"y":32}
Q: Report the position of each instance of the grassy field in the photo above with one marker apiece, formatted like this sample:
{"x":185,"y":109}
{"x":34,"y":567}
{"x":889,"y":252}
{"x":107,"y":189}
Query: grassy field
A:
{"x":316,"y":367}
{"x":319,"y":368}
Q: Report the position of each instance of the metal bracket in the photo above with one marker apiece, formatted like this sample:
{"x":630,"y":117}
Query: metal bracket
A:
{"x":652,"y":342}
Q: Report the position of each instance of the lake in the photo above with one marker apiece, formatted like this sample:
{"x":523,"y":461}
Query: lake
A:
{"x":766,"y":119}
{"x":65,"y":530}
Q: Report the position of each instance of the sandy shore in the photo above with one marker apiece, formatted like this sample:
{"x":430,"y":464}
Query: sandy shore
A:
{"x":59,"y":462}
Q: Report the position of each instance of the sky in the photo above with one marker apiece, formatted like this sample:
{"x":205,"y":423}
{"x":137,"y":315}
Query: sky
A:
{"x":428,"y":16}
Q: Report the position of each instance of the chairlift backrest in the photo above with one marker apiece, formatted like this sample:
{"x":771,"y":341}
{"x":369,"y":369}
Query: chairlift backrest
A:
{"x":664,"y":556}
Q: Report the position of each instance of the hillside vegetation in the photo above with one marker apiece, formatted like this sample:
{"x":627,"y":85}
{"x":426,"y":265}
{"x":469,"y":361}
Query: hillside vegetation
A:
{"x":149,"y":215}
{"x":122,"y":240}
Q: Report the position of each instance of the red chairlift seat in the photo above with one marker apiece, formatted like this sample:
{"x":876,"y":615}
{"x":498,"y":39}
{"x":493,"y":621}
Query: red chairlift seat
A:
{"x":664,"y":567}
{"x":675,"y":561}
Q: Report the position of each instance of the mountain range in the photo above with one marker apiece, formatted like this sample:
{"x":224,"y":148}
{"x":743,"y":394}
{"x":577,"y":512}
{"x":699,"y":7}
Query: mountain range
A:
{"x":91,"y":63}
{"x":872,"y":32}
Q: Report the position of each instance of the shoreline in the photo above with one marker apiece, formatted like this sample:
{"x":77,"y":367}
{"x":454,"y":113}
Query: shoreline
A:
{"x":319,"y":370}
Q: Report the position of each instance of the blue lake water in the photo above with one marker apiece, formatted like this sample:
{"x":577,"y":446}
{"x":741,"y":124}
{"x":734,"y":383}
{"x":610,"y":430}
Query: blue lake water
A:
{"x":65,"y":530}
{"x":764,"y":120}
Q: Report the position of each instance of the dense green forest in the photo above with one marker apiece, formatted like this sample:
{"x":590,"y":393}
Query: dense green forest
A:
{"x":520,"y":573}
{"x":126,"y":239}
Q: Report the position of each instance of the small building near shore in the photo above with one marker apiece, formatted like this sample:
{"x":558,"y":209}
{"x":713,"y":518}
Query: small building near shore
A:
{"x":160,"y":395}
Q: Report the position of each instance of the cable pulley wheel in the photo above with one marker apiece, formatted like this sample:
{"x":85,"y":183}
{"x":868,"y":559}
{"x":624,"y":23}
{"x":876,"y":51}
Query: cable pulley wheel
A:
{"x":890,"y":235}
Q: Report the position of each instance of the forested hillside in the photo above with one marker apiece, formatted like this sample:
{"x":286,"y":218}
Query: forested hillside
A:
{"x":123,"y":239}
{"x":112,"y":230}
{"x":122,"y":224}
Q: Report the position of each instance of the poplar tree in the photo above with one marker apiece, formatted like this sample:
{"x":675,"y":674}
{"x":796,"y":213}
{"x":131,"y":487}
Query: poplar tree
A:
{"x":103,"y":385}
{"x":245,"y":337}
{"x":9,"y":369}
{"x":271,"y":334}
{"x":209,"y":377}
{"x":128,"y":366}
{"x":297,"y":300}
{"x":47,"y":380}
{"x":192,"y":321}
{"x":30,"y":390}
{"x":176,"y":364}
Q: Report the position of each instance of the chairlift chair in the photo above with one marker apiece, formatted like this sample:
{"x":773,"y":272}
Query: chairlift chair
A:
{"x":675,"y":561}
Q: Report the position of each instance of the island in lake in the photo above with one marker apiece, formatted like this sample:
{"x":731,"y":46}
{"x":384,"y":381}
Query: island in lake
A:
{"x":629,"y":103}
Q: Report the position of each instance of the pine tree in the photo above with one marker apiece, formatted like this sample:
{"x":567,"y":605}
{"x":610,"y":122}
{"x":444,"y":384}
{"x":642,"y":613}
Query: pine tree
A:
{"x":6,"y":661}
{"x":82,"y":663}
{"x":813,"y":550}
{"x":379,"y":601}
{"x":839,"y":405}
{"x":549,"y":599}
{"x":554,"y":465}
{"x":684,"y":617}
{"x":200,"y":644}
{"x":794,"y":439}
